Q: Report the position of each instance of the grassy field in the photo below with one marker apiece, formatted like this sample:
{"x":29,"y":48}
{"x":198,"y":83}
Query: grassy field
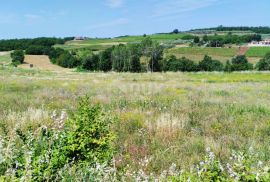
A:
{"x":101,"y":44}
{"x":164,"y":118}
{"x":197,"y":53}
{"x":5,"y":58}
{"x":41,"y":62}
{"x":257,"y":51}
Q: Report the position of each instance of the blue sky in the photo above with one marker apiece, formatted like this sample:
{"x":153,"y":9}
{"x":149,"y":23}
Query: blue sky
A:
{"x":109,"y":18}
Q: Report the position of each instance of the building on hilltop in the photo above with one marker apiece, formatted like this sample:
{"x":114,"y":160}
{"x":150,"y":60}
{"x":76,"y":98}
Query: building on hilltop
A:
{"x":263,"y":43}
{"x":80,"y":38}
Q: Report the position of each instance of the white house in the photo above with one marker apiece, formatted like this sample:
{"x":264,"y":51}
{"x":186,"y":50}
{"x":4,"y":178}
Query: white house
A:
{"x":263,"y":43}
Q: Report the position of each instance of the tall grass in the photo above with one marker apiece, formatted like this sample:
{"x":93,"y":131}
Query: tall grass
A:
{"x":162,"y":118}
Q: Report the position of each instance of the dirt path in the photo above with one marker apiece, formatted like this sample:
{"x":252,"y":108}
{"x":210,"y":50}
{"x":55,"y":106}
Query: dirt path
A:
{"x":41,"y":63}
{"x":242,"y":51}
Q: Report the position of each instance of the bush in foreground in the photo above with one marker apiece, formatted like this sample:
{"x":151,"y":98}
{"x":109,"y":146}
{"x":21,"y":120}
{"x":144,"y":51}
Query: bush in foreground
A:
{"x":84,"y":140}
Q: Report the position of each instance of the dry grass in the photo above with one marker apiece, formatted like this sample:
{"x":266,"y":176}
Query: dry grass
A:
{"x":41,"y":62}
{"x":168,"y":117}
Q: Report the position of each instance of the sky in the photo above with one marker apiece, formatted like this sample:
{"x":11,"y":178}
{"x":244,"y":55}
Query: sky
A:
{"x":111,"y":18}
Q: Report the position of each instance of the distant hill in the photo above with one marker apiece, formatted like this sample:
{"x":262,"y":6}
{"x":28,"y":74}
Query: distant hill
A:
{"x":260,"y":29}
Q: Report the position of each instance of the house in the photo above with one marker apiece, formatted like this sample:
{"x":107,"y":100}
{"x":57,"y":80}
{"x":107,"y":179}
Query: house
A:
{"x":260,"y":43}
{"x":80,"y":38}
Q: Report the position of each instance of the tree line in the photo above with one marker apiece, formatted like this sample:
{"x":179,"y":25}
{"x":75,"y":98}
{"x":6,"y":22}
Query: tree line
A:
{"x":221,"y":40}
{"x":31,"y":44}
{"x":259,"y":30}
{"x":137,"y":57}
{"x":148,"y":56}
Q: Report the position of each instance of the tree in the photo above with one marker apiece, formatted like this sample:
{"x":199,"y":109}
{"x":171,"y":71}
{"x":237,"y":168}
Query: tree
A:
{"x":154,"y":51}
{"x":264,"y":64}
{"x":240,"y":63}
{"x":91,"y":62}
{"x":120,"y":59}
{"x":17,"y":56}
{"x":135,"y":64}
{"x":196,"y":39}
{"x":66,"y":60}
{"x":105,"y":60}
{"x":175,"y":31}
{"x":183,"y":64}
{"x":208,"y":64}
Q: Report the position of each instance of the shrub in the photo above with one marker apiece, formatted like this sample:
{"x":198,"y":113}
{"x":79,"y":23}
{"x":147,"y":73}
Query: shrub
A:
{"x":264,"y":64}
{"x":91,"y":63}
{"x":208,"y":64}
{"x":66,"y":60}
{"x":240,"y":63}
{"x":85,"y":139}
{"x":183,"y":64}
{"x":89,"y":138}
{"x":17,"y":56}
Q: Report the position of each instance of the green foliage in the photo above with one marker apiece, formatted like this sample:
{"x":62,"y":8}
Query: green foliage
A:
{"x":89,"y":138}
{"x":90,"y":62}
{"x":17,"y":56}
{"x":105,"y":60}
{"x":240,"y":63}
{"x":66,"y":60}
{"x":85,"y":140}
{"x":38,"y":50}
{"x":196,"y":39}
{"x":174,"y":64}
{"x":208,"y":64}
{"x":264,"y":64}
{"x":23,"y":44}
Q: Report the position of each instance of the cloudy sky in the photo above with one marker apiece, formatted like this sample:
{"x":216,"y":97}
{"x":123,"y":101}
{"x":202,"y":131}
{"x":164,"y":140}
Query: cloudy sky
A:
{"x":109,"y":18}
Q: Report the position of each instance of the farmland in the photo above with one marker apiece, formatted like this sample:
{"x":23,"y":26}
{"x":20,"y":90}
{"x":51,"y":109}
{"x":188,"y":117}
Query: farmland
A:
{"x":197,"y":53}
{"x":257,"y":51}
{"x":101,"y":44}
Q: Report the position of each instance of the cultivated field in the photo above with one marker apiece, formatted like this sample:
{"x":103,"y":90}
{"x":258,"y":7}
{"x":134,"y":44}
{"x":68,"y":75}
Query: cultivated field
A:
{"x":101,"y":44}
{"x":164,"y":118}
{"x":257,"y":51}
{"x":197,"y":53}
{"x":41,"y":63}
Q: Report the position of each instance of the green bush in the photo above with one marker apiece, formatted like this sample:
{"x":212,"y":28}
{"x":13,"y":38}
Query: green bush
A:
{"x":91,"y":63}
{"x":17,"y":56}
{"x":66,"y":60}
{"x":240,"y":63}
{"x":208,"y":64}
{"x":89,"y":138}
{"x":85,"y":139}
{"x":264,"y":64}
{"x":174,"y":64}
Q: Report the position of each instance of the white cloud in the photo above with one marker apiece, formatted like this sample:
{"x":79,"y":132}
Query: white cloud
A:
{"x":112,"y":23}
{"x":114,"y":3}
{"x":174,"y":7}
